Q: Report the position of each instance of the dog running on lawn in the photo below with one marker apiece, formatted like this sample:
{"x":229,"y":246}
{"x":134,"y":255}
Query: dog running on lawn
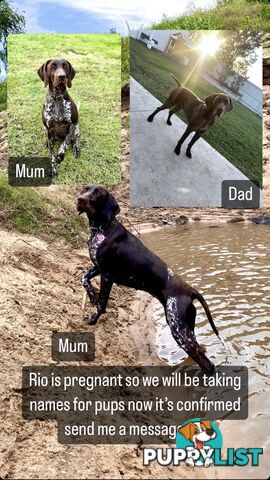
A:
{"x":119,"y":257}
{"x":201,"y":114}
{"x":59,"y":114}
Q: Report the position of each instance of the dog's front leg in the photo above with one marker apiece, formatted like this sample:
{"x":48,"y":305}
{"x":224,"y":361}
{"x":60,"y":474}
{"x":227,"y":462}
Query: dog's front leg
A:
{"x":64,"y":146}
{"x":106,"y":284}
{"x":177,"y":149}
{"x":192,"y":141}
{"x":91,"y":292}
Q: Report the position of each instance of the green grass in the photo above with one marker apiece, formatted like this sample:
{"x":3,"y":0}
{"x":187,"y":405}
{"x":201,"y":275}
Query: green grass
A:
{"x":125,"y":60}
{"x":97,"y":61}
{"x":29,"y":211}
{"x":237,"y":135}
{"x":3,"y":96}
{"x":228,"y":15}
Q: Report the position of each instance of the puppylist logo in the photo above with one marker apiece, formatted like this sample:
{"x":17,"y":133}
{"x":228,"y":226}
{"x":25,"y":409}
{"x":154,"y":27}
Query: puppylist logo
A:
{"x":198,"y":444}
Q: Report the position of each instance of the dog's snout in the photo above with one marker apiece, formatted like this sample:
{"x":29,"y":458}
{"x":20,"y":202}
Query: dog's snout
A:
{"x":61,"y":76}
{"x":80,"y":199}
{"x":210,"y":432}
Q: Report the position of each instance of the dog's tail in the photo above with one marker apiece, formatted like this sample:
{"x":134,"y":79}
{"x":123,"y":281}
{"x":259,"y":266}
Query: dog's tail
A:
{"x":176,"y":79}
{"x":202,"y":301}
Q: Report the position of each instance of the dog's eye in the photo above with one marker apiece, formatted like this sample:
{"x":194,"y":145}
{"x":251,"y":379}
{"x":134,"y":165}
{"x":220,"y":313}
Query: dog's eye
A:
{"x":53,"y":66}
{"x":196,"y":430}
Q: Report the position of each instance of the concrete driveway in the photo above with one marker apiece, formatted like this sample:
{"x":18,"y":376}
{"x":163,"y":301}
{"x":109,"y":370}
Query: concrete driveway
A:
{"x":159,"y":178}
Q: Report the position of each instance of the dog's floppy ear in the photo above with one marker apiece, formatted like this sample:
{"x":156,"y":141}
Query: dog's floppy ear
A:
{"x":71,"y":75}
{"x":210,"y":100}
{"x":110,"y":210}
{"x":207,"y":424}
{"x":104,"y":203}
{"x":185,"y":431}
{"x":230,"y":106}
{"x":43,"y":73}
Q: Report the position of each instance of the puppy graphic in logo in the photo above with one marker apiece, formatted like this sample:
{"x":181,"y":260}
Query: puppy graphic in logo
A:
{"x":198,"y":433}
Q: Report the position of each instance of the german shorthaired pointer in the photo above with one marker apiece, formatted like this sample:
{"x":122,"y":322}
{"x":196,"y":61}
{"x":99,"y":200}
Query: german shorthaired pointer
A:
{"x":59,"y":113}
{"x":119,"y":257}
{"x":201,"y":114}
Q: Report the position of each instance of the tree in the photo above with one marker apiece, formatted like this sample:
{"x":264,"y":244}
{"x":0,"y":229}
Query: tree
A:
{"x":11,"y":21}
{"x":238,"y":52}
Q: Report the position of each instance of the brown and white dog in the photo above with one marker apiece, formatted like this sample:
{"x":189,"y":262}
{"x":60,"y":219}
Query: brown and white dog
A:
{"x":59,"y":113}
{"x":198,"y":433}
{"x":201,"y":114}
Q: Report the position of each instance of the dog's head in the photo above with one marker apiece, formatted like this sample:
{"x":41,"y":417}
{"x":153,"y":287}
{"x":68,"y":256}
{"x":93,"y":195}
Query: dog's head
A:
{"x":99,"y":205}
{"x":198,"y":432}
{"x":57,"y":73}
{"x":218,"y":104}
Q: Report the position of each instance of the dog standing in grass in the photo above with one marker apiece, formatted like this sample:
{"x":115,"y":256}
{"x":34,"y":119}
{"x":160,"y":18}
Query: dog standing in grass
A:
{"x":60,"y":115}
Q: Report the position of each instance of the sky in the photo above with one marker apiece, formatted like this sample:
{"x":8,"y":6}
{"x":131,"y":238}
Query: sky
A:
{"x":99,"y":16}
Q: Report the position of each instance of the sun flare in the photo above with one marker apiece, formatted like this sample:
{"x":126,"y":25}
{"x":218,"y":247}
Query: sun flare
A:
{"x":210,"y":44}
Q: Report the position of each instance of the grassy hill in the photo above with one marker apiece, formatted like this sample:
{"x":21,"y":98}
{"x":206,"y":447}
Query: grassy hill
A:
{"x":229,"y":14}
{"x":37,"y":213}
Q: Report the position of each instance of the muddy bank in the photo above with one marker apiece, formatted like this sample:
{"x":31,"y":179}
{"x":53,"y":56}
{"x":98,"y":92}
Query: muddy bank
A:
{"x":40,"y":292}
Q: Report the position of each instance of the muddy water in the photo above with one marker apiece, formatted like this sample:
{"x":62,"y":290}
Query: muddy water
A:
{"x":230,"y":266}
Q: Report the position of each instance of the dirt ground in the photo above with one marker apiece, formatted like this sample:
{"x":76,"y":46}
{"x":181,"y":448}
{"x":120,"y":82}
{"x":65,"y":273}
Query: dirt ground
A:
{"x":39,"y":293}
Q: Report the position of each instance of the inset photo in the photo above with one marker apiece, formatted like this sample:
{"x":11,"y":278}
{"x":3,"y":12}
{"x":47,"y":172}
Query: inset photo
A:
{"x":196,"y":115}
{"x":64,"y":104}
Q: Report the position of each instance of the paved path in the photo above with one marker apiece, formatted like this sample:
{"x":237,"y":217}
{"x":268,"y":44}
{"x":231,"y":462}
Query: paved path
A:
{"x":161,"y":178}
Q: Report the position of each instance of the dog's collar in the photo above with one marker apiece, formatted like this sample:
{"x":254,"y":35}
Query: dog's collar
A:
{"x":94,"y":231}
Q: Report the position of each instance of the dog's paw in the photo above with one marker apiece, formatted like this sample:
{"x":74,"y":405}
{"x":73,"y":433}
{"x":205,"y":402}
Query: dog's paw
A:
{"x":177,"y":150}
{"x":53,"y":171}
{"x":93,"y":319}
{"x":150,"y":118}
{"x":188,"y":154}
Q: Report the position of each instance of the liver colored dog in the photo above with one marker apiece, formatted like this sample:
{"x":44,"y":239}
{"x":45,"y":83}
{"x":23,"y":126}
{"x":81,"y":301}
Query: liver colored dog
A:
{"x":201,"y":114}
